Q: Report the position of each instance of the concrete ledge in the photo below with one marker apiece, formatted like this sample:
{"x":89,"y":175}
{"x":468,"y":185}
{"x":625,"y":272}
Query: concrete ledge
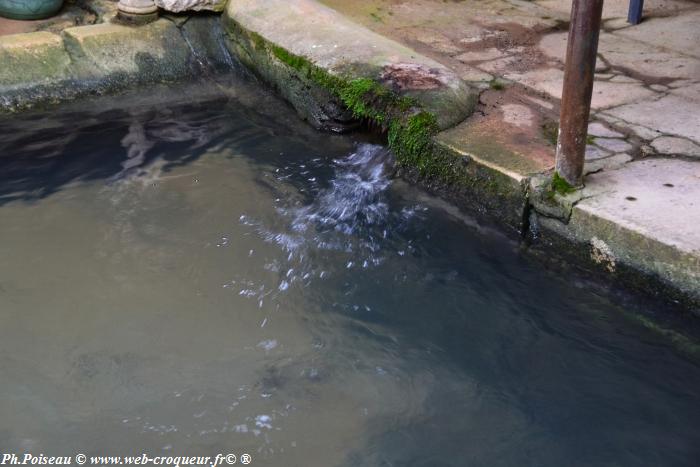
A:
{"x":641,"y":217}
{"x":42,"y":67}
{"x":328,"y":40}
{"x":491,"y":182}
{"x":144,"y":53}
{"x":31,"y":59}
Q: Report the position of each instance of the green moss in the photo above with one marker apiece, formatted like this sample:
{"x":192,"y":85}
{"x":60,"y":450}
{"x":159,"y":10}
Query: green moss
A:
{"x":561,"y":186}
{"x":365,"y":98}
{"x":679,"y":341}
{"x":410,"y":129}
{"x":411,"y":139}
{"x":258,"y":41}
{"x":550,"y":131}
{"x":496,"y":85}
{"x":295,"y":61}
{"x":376,"y":17}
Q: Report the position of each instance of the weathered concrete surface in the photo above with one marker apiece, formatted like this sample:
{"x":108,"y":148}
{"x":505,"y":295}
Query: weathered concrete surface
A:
{"x":43,"y":67}
{"x":672,"y":146}
{"x":523,"y":42}
{"x":156,"y":49}
{"x":613,"y":220}
{"x":502,"y":149}
{"x":341,"y":47}
{"x":37,"y":58}
{"x":671,"y":115}
{"x":497,"y":176}
{"x":617,"y":9}
{"x":679,"y":33}
{"x":74,"y":13}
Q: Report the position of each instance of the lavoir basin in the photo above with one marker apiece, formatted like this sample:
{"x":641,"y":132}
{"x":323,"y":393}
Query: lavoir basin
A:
{"x":199,"y":273}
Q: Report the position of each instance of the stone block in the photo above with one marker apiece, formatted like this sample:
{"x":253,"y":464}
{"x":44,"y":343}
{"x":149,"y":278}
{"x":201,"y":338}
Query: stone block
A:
{"x":32,"y":59}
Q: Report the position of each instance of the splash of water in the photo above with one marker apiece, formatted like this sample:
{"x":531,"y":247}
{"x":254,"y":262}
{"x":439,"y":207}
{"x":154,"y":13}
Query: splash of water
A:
{"x":355,"y":200}
{"x":350,"y":217}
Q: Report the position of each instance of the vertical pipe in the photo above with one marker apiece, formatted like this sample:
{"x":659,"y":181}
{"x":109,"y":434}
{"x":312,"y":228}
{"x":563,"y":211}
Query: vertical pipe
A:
{"x":581,"y":51}
{"x":634,"y":15}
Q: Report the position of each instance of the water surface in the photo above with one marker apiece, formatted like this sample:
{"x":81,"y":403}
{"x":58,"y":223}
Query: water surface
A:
{"x":213,"y":277}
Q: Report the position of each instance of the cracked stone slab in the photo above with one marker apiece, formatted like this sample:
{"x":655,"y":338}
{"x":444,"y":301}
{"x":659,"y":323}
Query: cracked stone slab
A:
{"x":474,"y":75}
{"x":640,"y":131}
{"x":684,"y":38}
{"x":647,"y":60}
{"x":599,"y":130}
{"x":671,"y":114}
{"x":624,"y":79}
{"x":688,"y":91}
{"x":618,"y":8}
{"x":605,"y":94}
{"x":437,"y":41}
{"x":659,"y":87}
{"x":594,"y":152}
{"x":614,"y":144}
{"x":480,"y":55}
{"x":671,"y":145}
{"x":637,"y":57}
{"x":606,"y":163}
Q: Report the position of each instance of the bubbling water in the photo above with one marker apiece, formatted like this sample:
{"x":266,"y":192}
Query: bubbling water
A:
{"x":349,"y":221}
{"x":350,"y":217}
{"x":356,"y":199}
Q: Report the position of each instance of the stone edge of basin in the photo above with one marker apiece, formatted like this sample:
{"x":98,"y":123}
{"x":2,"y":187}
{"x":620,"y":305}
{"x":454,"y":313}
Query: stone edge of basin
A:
{"x":43,"y":67}
{"x":310,"y":31}
{"x":285,"y":41}
{"x":335,"y":72}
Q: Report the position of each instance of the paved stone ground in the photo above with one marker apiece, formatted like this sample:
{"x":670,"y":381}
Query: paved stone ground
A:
{"x":647,"y":92}
{"x":73,"y":13}
{"x":643,"y":157}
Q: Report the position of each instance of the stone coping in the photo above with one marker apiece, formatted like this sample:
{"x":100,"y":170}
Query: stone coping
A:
{"x":308,"y":29}
{"x":44,"y":67}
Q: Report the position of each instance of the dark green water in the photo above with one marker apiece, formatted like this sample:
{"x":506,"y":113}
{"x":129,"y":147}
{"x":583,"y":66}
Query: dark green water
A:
{"x":215,"y":277}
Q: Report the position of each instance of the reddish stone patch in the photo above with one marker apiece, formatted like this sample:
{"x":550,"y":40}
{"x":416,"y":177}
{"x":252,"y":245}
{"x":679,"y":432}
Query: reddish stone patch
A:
{"x":411,"y":76}
{"x":488,"y":124}
{"x":11,"y":26}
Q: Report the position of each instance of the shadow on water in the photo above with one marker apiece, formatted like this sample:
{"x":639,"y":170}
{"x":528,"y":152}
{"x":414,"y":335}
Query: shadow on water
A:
{"x":43,"y":151}
{"x":533,"y":398}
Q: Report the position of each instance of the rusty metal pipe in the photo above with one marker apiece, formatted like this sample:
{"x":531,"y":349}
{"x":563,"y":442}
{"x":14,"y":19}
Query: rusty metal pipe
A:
{"x":581,"y":51}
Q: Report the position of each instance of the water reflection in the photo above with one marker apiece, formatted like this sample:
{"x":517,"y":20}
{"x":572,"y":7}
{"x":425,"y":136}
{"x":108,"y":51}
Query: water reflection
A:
{"x":209,"y":279}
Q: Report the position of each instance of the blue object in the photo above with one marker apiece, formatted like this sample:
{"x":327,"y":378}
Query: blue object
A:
{"x":29,"y":9}
{"x":634,"y":16}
